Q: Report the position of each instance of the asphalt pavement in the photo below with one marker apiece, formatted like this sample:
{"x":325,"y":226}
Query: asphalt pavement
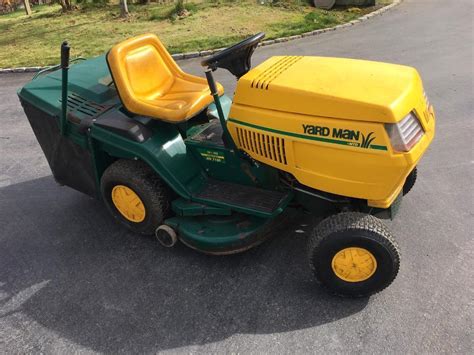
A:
{"x":71,"y":280}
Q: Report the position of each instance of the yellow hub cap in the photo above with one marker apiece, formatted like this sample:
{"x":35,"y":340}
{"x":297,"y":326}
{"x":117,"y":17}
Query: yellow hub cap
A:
{"x":354,"y":264}
{"x":128,"y":203}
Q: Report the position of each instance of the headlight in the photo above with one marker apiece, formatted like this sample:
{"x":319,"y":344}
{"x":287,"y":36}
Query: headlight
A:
{"x":406,"y":133}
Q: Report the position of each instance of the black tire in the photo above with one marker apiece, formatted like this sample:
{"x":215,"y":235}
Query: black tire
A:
{"x":410,"y":181}
{"x":140,"y":178}
{"x":353,"y":229}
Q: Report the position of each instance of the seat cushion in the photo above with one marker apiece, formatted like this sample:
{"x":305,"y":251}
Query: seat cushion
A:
{"x":181,"y":100}
{"x":150,"y":83}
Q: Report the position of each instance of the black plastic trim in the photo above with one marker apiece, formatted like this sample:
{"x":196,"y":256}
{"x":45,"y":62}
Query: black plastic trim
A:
{"x":119,"y":123}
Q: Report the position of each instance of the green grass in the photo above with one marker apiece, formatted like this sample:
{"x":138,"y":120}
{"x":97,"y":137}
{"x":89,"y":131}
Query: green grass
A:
{"x":169,"y":12}
{"x":92,"y":30}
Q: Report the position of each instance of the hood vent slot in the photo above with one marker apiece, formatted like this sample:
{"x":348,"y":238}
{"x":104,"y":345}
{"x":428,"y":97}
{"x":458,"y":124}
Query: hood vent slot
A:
{"x":264,"y":79}
{"x":263,"y":145}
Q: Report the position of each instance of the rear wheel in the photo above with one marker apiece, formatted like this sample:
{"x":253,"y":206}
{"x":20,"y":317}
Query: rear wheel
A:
{"x":353,"y":254}
{"x":135,"y":195}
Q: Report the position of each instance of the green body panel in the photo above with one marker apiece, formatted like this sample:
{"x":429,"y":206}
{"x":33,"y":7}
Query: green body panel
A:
{"x":184,"y":164}
{"x":226,"y":104}
{"x":90,"y":79}
{"x":229,"y":165}
{"x":165,"y":152}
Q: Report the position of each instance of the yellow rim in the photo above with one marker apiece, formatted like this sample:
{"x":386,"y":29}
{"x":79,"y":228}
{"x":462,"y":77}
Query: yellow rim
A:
{"x":128,"y":203}
{"x":354,"y":264}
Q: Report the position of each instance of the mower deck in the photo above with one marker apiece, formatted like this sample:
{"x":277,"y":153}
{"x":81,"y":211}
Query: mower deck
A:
{"x":221,"y":235}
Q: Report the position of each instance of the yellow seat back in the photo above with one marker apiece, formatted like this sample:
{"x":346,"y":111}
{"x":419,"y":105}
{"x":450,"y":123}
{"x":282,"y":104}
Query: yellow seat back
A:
{"x":146,"y":79}
{"x":150,"y":83}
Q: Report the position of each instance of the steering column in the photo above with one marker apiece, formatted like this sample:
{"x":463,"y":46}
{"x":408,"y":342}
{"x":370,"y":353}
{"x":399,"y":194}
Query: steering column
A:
{"x":237,"y":60}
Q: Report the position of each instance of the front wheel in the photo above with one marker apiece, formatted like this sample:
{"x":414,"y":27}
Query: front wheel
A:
{"x":353,"y":254}
{"x":410,"y":181}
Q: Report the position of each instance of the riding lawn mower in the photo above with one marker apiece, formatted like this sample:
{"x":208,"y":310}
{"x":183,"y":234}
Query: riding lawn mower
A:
{"x":171,"y":155}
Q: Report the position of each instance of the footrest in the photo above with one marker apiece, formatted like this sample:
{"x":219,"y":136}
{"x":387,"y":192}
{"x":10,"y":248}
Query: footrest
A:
{"x":247,"y":197}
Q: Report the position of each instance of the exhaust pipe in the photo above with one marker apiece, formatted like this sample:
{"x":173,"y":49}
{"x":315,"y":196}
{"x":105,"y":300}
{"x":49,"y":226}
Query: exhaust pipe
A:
{"x":166,"y":236}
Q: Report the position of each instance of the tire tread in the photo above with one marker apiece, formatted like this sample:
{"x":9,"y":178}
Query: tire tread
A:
{"x":352,"y":221}
{"x":141,"y":174}
{"x":410,"y":181}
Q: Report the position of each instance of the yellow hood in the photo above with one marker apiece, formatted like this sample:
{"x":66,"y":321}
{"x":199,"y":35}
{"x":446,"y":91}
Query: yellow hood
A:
{"x":331,"y":87}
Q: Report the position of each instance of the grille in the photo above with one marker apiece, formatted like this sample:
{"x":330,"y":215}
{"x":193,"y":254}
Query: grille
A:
{"x":427,"y":101}
{"x":264,"y":79}
{"x":427,"y":115}
{"x":77,"y":103}
{"x":426,"y":112}
{"x":263,"y":145}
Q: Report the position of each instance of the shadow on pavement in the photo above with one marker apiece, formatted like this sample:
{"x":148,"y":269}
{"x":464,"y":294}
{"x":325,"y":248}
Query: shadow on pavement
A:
{"x":66,"y":265}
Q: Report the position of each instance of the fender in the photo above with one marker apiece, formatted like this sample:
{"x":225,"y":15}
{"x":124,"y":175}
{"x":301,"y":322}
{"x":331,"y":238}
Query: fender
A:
{"x":165,"y":152}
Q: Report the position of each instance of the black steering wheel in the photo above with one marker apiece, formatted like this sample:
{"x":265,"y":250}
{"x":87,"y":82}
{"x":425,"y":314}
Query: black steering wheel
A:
{"x":236,"y":58}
